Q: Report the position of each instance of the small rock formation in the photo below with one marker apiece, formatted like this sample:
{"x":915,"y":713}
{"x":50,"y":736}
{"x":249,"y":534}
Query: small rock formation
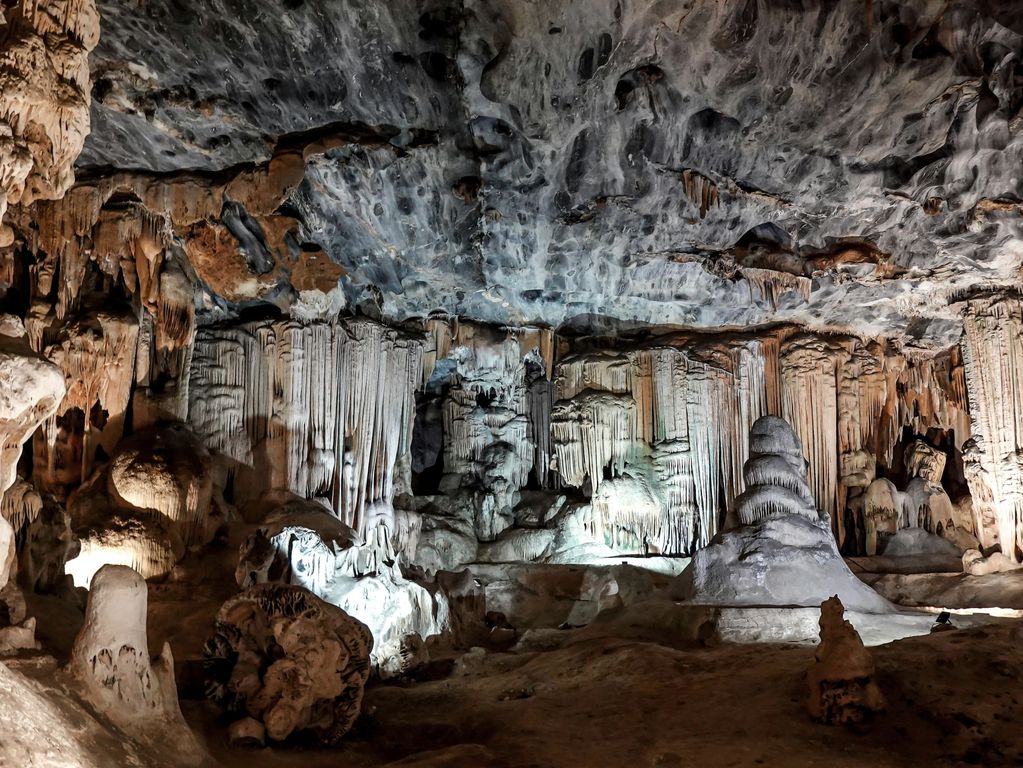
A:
{"x":287,"y":659}
{"x":166,"y":469}
{"x":783,"y":553}
{"x":147,"y":507}
{"x":841,"y":679}
{"x":303,"y":544}
{"x":111,"y":666}
{"x":882,"y":508}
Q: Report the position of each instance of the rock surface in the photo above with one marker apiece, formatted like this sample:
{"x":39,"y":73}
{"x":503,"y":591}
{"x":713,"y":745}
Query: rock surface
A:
{"x":841,"y":679}
{"x":564,"y":162}
{"x":286,"y":658}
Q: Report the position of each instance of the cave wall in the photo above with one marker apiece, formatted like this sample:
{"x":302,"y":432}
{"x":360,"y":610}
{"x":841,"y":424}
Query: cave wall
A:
{"x":519,"y":206}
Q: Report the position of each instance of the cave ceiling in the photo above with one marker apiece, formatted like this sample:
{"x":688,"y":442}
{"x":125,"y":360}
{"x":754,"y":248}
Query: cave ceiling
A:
{"x":599,"y":164}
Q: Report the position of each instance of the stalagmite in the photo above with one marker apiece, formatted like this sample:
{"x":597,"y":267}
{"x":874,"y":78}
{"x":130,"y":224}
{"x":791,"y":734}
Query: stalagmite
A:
{"x":841,"y":679}
{"x":783,"y":553}
{"x":110,"y":664}
{"x":110,"y":656}
{"x":774,"y":474}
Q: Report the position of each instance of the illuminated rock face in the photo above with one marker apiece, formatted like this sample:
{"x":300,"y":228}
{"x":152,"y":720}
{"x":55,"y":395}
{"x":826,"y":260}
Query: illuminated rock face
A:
{"x":303,"y":544}
{"x":785,"y":554}
{"x":30,"y":390}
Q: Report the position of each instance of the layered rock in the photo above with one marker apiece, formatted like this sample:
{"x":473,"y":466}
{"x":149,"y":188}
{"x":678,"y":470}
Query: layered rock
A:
{"x":785,"y":554}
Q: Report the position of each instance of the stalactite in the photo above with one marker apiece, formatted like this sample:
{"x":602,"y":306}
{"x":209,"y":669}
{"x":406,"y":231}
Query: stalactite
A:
{"x":673,"y":464}
{"x":709,"y":404}
{"x":319,"y":409}
{"x":443,"y":335}
{"x":771,"y":285}
{"x":97,"y":356}
{"x":669,"y":413}
{"x":700,"y":190}
{"x":993,"y":357}
{"x":590,"y":432}
{"x":540,"y":396}
{"x":378,"y":375}
{"x":627,"y":514}
{"x":44,"y":101}
{"x":755,"y":363}
{"x":809,"y":372}
{"x":21,"y":505}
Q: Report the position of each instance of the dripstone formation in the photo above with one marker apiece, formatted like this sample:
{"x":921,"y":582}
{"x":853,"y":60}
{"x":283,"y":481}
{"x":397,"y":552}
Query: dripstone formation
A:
{"x":371,"y":341}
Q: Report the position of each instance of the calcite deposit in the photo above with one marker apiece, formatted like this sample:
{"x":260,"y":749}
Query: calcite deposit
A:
{"x":378,"y":338}
{"x":286,"y":658}
{"x":842,"y":683}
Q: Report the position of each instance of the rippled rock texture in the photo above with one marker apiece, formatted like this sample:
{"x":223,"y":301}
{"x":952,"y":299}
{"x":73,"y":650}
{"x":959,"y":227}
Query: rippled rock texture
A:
{"x":602,"y":161}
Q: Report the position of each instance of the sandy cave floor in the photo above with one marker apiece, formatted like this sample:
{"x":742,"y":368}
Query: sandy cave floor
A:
{"x":953,"y":699}
{"x":620,"y":694}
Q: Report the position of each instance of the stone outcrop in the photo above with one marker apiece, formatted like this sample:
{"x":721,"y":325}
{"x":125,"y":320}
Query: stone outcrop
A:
{"x":285,"y":658}
{"x":841,"y":680}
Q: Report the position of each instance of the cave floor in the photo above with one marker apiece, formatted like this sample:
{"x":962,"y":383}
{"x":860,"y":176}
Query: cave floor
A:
{"x":593,"y":699}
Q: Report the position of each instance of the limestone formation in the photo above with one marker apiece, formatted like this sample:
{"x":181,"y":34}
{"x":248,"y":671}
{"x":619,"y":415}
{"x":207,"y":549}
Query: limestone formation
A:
{"x":319,"y":409}
{"x":302,"y":544}
{"x":31,"y":390}
{"x":786,"y":555}
{"x":110,"y":657}
{"x":383,"y":291}
{"x":841,"y":680}
{"x":42,"y":529}
{"x":44,"y":98}
{"x":285,"y":658}
{"x":165,"y":470}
